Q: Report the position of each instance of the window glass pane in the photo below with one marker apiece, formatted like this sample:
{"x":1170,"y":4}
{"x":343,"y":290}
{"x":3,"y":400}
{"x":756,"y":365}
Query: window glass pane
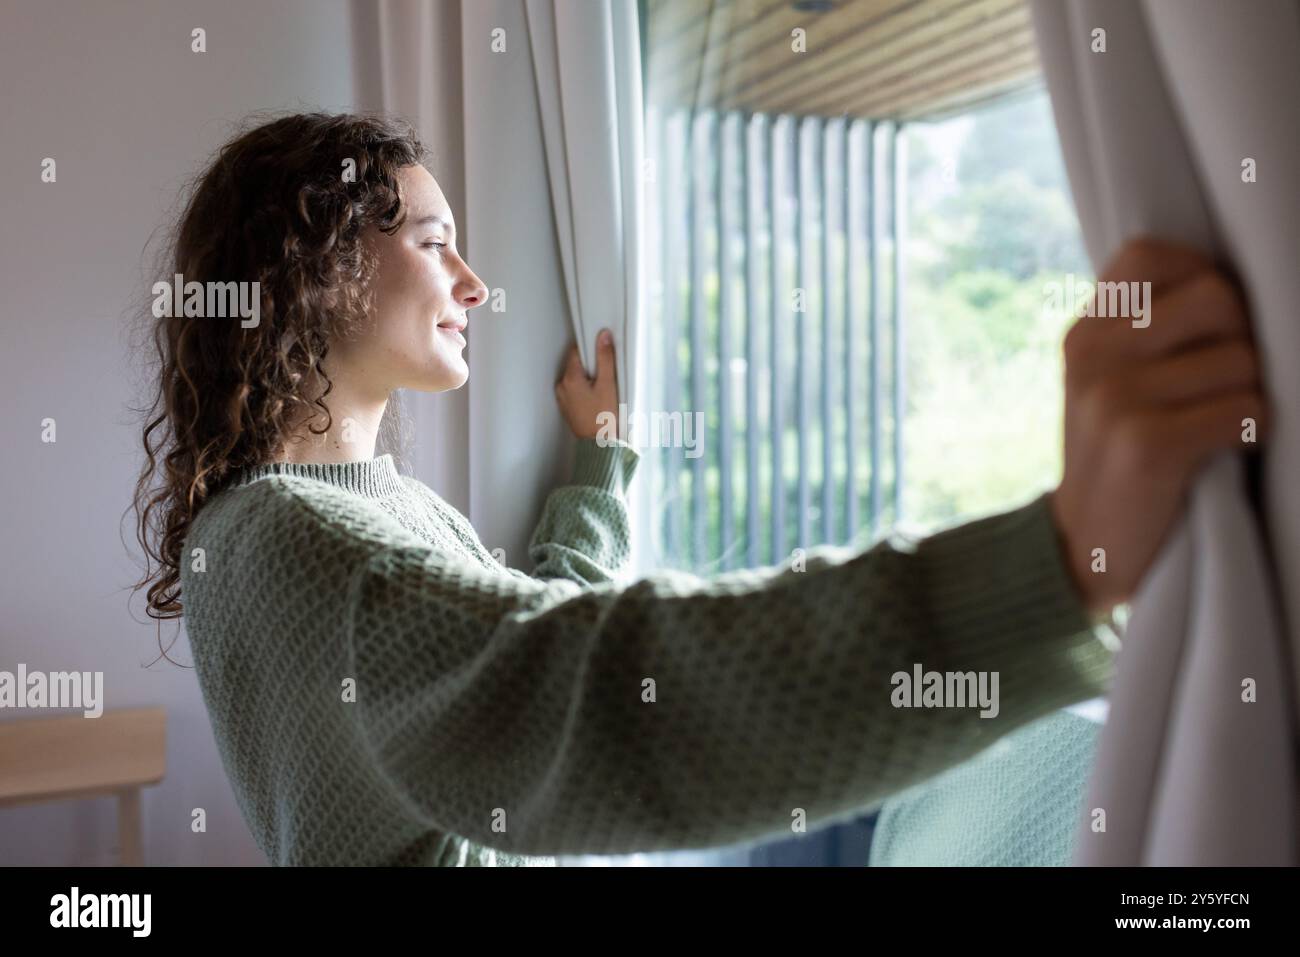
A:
{"x":991,"y":226}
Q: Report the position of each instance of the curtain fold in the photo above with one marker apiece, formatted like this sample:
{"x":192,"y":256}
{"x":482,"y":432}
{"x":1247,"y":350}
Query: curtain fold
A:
{"x":586,"y":58}
{"x":1155,"y":131}
{"x":591,"y":106}
{"x":537,"y":104}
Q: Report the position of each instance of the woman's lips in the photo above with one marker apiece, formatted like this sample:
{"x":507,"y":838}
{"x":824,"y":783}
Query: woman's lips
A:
{"x":453,"y":332}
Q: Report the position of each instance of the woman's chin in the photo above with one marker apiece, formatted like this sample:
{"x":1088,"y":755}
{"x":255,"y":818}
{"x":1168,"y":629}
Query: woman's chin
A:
{"x":445,"y":378}
{"x":453,"y":378}
{"x":462,"y":372}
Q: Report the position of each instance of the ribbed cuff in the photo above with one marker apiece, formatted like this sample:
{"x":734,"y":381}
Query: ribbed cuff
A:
{"x":609,"y":467}
{"x":1000,"y":598}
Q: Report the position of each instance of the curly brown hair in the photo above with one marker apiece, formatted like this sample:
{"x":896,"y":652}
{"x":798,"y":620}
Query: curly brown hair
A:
{"x":274,"y":207}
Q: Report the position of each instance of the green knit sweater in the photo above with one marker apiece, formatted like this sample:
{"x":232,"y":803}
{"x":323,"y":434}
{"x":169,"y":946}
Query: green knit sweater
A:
{"x":383,"y":691}
{"x":1018,"y":803}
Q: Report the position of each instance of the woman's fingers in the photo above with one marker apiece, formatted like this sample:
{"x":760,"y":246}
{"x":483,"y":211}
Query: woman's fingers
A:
{"x":573,"y":372}
{"x":1207,"y":307}
{"x":605,"y":365}
{"x":584,"y":401}
{"x":574,"y":369}
{"x":1220,"y":424}
{"x":1190,"y":376}
{"x":1160,"y":263}
{"x":1187,"y":305}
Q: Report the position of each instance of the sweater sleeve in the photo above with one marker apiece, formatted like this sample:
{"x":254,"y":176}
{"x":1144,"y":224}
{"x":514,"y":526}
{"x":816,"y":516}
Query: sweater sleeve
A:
{"x":545,"y":717}
{"x":583,"y":534}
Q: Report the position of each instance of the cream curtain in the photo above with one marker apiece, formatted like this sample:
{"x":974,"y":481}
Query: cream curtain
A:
{"x":1158,"y":130}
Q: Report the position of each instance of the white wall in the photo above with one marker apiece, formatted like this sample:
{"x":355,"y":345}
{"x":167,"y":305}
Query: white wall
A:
{"x":113,"y":92}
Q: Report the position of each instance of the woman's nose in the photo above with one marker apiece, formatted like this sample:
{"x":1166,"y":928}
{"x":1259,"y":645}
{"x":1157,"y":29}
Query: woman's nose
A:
{"x":472,"y":291}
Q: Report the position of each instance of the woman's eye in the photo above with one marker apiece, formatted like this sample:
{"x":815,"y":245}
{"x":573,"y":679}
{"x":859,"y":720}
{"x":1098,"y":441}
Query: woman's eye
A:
{"x":429,"y":245}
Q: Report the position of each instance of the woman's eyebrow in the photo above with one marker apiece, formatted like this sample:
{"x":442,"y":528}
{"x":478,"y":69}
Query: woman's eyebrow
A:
{"x":433,"y":219}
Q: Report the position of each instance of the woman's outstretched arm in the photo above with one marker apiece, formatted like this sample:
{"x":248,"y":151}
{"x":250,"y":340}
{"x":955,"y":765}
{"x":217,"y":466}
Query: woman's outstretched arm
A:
{"x":546,"y":717}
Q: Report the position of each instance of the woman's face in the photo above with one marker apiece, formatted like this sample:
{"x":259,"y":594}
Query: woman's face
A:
{"x":423,"y":291}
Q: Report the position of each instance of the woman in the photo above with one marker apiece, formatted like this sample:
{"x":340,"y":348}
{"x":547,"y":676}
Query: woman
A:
{"x":383,"y":691}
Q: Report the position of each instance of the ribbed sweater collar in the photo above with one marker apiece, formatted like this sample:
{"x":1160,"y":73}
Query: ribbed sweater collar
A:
{"x":375,"y":478}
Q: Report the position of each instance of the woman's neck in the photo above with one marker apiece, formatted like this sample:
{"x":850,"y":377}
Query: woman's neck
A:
{"x":351,"y":437}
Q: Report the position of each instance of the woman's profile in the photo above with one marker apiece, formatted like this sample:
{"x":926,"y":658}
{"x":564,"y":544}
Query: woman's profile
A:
{"x":384,"y":691}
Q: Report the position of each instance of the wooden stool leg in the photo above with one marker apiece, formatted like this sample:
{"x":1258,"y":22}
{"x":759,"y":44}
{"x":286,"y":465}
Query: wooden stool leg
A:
{"x":128,"y":827}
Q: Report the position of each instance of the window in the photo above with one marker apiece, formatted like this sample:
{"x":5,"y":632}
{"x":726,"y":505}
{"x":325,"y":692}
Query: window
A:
{"x":849,"y":308}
